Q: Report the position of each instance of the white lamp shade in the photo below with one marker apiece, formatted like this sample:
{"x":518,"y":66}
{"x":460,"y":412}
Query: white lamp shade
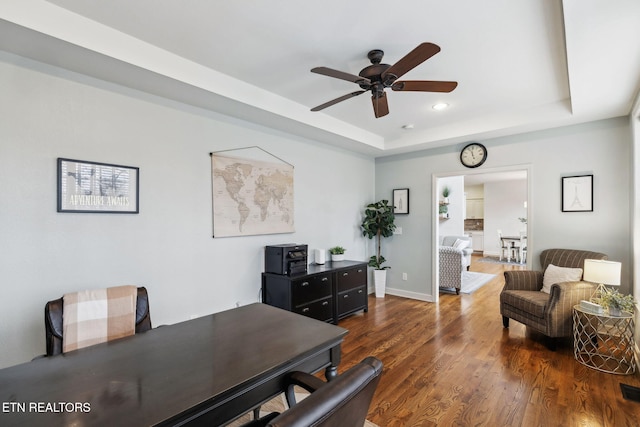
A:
{"x":602,"y":272}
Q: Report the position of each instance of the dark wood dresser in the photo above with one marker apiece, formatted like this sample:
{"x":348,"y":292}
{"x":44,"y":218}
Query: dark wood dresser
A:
{"x":325,"y":292}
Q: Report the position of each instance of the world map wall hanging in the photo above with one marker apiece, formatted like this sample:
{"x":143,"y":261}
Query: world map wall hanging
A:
{"x":251,"y":196}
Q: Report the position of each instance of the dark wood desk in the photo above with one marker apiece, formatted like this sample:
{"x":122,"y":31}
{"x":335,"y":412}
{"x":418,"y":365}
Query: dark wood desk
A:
{"x":214,"y":368}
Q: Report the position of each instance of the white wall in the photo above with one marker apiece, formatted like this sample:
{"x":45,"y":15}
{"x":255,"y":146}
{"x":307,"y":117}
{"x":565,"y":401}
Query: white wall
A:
{"x":503,"y":205}
{"x":49,"y":113}
{"x":635,"y":222}
{"x":474,"y":191}
{"x":602,"y":148}
{"x":454,"y":225}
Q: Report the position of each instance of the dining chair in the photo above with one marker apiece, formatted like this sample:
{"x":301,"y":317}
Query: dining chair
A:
{"x":522,"y":248}
{"x":506,"y":249}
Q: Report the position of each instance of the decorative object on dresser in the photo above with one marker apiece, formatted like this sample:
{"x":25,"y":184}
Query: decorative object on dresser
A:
{"x":326,"y":292}
{"x":337,"y":253}
{"x":320,"y":256}
{"x":524,"y":299}
{"x":378,"y":222}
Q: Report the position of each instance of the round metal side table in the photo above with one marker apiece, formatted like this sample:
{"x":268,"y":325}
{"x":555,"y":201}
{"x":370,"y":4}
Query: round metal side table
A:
{"x":604,"y":342}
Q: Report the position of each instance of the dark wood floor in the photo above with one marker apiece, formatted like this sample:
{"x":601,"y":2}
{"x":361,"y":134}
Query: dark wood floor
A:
{"x":453,"y":364}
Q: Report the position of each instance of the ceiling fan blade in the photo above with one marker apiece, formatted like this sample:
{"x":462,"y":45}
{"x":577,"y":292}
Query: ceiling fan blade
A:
{"x":340,"y":99}
{"x":411,"y":60}
{"x":380,"y":105}
{"x":424,"y":86}
{"x":340,"y":75}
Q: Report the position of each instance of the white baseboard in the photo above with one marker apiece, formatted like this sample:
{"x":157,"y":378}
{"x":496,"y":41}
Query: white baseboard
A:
{"x":406,"y":294}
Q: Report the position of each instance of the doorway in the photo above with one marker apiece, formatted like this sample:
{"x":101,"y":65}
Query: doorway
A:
{"x":502,"y":209}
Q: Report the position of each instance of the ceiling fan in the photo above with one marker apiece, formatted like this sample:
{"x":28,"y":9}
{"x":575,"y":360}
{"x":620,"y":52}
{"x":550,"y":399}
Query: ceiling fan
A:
{"x":376,"y":77}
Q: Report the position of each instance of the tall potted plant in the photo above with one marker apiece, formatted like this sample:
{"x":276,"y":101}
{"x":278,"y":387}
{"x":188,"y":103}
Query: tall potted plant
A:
{"x":378,"y":222}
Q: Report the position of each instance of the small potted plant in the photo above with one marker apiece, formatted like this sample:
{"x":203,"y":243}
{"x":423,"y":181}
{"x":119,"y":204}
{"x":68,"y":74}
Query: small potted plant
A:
{"x":337,"y":253}
{"x":443,"y":210}
{"x":616,"y":302}
{"x":445,"y":194}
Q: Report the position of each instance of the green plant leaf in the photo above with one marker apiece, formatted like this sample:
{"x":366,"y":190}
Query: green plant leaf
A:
{"x":378,"y":222}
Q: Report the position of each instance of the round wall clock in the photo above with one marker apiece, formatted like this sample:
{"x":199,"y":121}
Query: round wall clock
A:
{"x":473,"y":155}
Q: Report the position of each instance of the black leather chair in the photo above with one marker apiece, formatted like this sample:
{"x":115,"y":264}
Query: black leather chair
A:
{"x":53,"y":311}
{"x":342,"y":402}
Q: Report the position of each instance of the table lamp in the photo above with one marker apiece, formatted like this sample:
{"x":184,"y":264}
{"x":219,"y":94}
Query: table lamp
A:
{"x":603,"y":273}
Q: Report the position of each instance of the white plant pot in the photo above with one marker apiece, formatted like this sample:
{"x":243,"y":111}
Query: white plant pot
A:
{"x":337,"y":257}
{"x":380,"y":282}
{"x":614,"y":311}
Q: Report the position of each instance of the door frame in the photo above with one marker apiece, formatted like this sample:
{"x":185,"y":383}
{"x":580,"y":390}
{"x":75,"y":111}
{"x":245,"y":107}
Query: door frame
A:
{"x":435,"y":270}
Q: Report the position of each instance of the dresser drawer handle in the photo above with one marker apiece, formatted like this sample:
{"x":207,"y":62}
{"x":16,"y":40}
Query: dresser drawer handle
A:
{"x":305,"y":310}
{"x":359,"y":270}
{"x":325,"y":303}
{"x":305,"y":284}
{"x":360,"y":291}
{"x":345,"y":274}
{"x":324,"y":279}
{"x":346,"y":296}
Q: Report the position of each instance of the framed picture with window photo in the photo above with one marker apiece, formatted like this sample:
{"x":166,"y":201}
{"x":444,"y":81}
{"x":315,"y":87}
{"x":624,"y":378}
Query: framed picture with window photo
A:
{"x":92,"y":187}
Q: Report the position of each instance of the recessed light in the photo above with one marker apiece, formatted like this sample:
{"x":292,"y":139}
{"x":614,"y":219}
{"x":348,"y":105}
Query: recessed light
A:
{"x":408,"y":126}
{"x":440,"y":106}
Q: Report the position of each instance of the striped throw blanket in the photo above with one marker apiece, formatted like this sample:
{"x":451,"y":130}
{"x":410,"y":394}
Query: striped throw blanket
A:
{"x":94,"y":316}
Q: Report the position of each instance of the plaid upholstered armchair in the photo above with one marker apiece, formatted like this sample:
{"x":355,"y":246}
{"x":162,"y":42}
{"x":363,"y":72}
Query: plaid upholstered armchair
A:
{"x":523,"y":299}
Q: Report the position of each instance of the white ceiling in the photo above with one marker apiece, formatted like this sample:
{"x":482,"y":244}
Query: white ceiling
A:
{"x":521,"y":65}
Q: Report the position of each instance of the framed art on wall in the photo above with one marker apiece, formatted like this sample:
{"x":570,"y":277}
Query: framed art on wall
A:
{"x":252,"y":193}
{"x":577,"y":193}
{"x":91,"y":187}
{"x":401,"y":201}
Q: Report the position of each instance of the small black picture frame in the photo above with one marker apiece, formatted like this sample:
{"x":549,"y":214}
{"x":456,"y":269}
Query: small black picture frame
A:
{"x":401,"y":201}
{"x":92,"y":187}
{"x":577,"y":193}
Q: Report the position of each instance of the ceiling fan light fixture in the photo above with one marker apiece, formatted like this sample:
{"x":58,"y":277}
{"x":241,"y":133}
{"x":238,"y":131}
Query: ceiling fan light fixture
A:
{"x":440,"y":106}
{"x":378,"y":76}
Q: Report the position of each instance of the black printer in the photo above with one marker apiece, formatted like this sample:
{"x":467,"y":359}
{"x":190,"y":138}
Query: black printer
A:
{"x":288,"y":259}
